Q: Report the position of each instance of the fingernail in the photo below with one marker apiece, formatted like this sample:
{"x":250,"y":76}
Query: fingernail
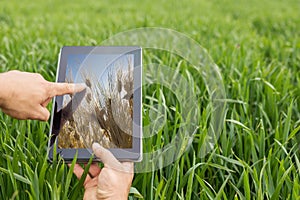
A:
{"x":96,"y":145}
{"x":81,"y":85}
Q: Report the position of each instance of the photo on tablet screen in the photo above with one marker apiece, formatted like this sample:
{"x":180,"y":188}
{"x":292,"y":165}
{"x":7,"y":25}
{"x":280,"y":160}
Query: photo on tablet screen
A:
{"x":103,"y":112}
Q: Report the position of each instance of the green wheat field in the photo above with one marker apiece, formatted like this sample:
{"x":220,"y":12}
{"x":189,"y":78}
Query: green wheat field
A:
{"x":256,"y":45}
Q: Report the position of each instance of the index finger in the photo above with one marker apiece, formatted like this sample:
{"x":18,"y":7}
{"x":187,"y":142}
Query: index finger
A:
{"x":58,"y":89}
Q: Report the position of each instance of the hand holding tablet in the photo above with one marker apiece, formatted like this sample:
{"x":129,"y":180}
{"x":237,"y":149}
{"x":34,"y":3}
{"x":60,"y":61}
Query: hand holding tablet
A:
{"x":107,"y":111}
{"x":104,"y":183}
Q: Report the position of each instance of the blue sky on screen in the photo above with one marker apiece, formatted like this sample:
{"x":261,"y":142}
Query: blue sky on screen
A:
{"x":97,"y":65}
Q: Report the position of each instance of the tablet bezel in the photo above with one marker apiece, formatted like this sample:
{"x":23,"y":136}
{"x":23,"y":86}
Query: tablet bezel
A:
{"x":130,"y":154}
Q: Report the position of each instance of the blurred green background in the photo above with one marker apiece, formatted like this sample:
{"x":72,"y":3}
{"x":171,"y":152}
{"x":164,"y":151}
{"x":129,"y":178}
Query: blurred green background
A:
{"x":256,"y":45}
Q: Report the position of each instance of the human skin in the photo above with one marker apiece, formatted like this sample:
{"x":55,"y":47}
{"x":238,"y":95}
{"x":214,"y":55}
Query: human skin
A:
{"x":113,"y":181}
{"x":25,"y":95}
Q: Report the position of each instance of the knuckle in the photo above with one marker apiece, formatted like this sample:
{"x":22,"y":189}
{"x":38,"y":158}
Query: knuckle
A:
{"x":39,"y":76}
{"x":68,"y":87}
{"x":14,"y":72}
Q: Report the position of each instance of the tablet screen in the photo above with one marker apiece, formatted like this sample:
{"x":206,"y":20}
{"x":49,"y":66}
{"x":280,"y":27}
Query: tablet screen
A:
{"x":102,"y":113}
{"x":107,"y":111}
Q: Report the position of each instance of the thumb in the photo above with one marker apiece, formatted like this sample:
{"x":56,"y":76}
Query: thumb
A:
{"x":108,"y":159}
{"x":44,"y":113}
{"x":44,"y":104}
{"x":58,"y":89}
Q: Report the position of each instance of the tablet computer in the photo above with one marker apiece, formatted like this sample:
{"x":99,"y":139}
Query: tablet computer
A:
{"x":108,"y":111}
